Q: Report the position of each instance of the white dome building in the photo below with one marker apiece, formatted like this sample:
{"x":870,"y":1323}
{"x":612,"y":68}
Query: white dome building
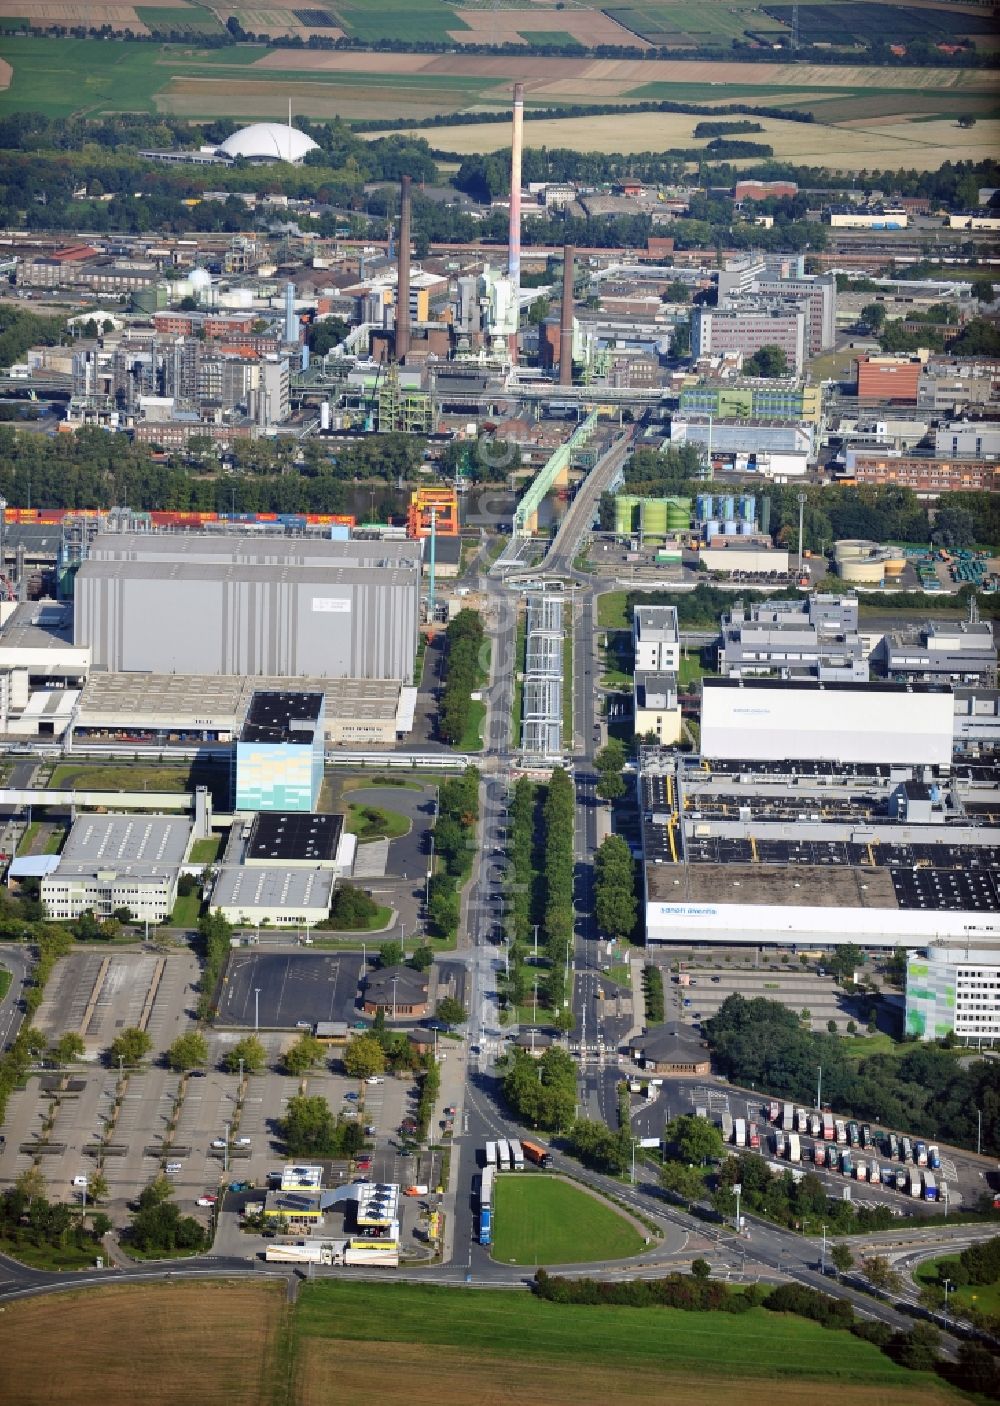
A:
{"x":268,"y":141}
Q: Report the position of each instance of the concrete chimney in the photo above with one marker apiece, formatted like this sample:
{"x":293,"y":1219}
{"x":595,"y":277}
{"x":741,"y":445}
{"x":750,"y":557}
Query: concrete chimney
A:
{"x":403,"y":278}
{"x":514,"y":238}
{"x":566,"y":320}
{"x":291,"y":318}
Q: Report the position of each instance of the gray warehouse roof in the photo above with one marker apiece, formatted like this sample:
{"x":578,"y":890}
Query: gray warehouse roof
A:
{"x":273,"y":551}
{"x":182,"y":699}
{"x":151,"y":845}
{"x":273,"y":888}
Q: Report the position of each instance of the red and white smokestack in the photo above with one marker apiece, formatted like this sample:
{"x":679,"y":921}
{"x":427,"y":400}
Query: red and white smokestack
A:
{"x":403,"y":274}
{"x":514,"y":241}
{"x":566,"y":319}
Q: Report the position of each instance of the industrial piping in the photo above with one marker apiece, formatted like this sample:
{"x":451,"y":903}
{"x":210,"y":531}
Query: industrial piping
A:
{"x":566,"y":320}
{"x":403,"y":276}
{"x":514,"y":237}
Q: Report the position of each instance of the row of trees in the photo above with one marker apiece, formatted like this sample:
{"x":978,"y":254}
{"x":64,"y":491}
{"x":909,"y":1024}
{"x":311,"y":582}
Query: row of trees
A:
{"x":454,"y":847}
{"x":924,"y":1089}
{"x":610,"y":764}
{"x":28,"y":1219}
{"x":558,"y":874}
{"x":309,"y":1129}
{"x":465,"y":667}
{"x":616,"y":906}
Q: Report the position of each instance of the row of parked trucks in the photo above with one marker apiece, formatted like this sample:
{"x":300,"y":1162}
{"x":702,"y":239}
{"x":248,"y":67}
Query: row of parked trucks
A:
{"x":507,"y":1154}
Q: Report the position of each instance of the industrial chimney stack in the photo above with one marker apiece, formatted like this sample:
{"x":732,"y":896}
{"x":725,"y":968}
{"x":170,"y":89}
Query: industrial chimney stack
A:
{"x":514,"y":239}
{"x":403,"y":278}
{"x":566,"y":320}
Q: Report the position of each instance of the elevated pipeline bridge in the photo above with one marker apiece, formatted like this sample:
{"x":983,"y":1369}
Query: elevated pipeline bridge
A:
{"x":556,"y":470}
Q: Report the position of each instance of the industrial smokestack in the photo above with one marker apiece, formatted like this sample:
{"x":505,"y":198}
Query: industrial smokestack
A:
{"x":514,"y":239}
{"x":566,"y":320}
{"x":403,"y":277}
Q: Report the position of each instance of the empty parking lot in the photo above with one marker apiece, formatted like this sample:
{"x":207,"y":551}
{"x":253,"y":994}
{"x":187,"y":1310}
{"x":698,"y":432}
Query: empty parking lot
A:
{"x":276,"y":991}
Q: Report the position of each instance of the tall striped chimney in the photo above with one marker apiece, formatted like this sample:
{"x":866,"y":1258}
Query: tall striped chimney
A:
{"x":514,"y":239}
{"x":566,"y":319}
{"x":403,"y":276}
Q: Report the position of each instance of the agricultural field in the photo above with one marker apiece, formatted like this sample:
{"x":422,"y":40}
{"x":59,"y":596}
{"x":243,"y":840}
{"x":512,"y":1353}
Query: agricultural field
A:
{"x":240,"y":1341}
{"x":62,"y":77}
{"x":856,"y":145}
{"x":541,"y":1220}
{"x":186,"y":1344}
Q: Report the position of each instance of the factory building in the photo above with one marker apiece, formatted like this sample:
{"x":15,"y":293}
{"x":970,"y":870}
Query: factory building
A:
{"x":954,"y":990}
{"x":280,"y":896}
{"x":813,"y":638}
{"x":163,"y":603}
{"x":110,"y":862}
{"x":279,"y":755}
{"x":784,"y":720}
{"x":656,"y":709}
{"x":943,"y":653}
{"x":805,"y":854}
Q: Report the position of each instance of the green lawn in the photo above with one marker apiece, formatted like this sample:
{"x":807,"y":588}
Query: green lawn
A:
{"x":521,"y":1329}
{"x":611,"y":610}
{"x":206,"y":851}
{"x":541,"y":1220}
{"x":123,"y":776}
{"x":374,"y":823}
{"x":43,"y":1256}
{"x":28,"y":838}
{"x":985,"y":1297}
{"x":5,"y":980}
{"x":471,"y":739}
{"x":693,"y":671}
{"x":186,"y":911}
{"x":376,"y":923}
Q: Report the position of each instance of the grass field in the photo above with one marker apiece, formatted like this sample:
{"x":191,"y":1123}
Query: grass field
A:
{"x":186,"y":911}
{"x":985,"y":1297}
{"x":239,"y":1342}
{"x":471,"y":739}
{"x":611,"y":610}
{"x":541,"y":1220}
{"x":5,"y":980}
{"x":375,"y":823}
{"x":122,"y":777}
{"x":206,"y":851}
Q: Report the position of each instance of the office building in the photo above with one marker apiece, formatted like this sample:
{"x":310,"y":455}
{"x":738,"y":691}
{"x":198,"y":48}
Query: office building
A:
{"x":924,"y":473}
{"x":656,"y":639}
{"x":747,"y":327}
{"x":111,"y":862}
{"x":655,"y":708}
{"x":954,"y":989}
{"x":279,"y":755}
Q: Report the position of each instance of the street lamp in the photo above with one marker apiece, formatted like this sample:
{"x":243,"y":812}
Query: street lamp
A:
{"x":948,"y":1286}
{"x":738,"y":1189}
{"x":256,"y":1008}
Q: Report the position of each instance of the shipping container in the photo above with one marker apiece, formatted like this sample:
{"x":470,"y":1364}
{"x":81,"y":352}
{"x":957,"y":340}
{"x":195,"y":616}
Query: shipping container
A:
{"x":930,"y":1187}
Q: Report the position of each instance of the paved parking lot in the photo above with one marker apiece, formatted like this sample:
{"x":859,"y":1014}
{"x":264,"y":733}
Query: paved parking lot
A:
{"x":795,"y":988}
{"x":680,"y":1097}
{"x":292,"y":986}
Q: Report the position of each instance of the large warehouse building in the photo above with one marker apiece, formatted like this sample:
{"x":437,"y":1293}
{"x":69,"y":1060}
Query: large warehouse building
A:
{"x":162,"y":604}
{"x":815,"y":853}
{"x":779,"y":720}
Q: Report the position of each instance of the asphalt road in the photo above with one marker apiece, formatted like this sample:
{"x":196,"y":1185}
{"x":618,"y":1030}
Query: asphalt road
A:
{"x":17,"y":960}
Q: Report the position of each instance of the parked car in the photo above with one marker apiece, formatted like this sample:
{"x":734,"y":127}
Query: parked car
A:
{"x":173,"y":1167}
{"x":351,"y":1097}
{"x":218,"y":1142}
{"x":375,"y":1079}
{"x":80,"y":1181}
{"x":206,"y":1201}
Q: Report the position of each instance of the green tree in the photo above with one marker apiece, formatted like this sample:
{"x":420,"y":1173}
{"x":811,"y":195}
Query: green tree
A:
{"x":451,"y":1012}
{"x":874,"y":314}
{"x":130,"y":1047}
{"x":878,"y":1270}
{"x":189,"y":1051}
{"x":610,"y":786}
{"x":162,"y":1229}
{"x":696,"y":1139}
{"x":68,"y":1048}
{"x":391,"y":954}
{"x":841,"y":1258}
{"x":97,"y":1187}
{"x":363,"y":1057}
{"x":700,"y":1269}
{"x":309,"y":1128}
{"x":352,"y":909}
{"x":304,"y":1055}
{"x":250,"y":1051}
{"x":769,"y":360}
{"x":615,"y":903}
{"x":682,"y":1180}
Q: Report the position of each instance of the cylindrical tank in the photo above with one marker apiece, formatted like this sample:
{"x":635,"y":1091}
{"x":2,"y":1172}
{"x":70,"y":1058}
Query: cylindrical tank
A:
{"x":730,"y":527}
{"x":765,"y":514}
{"x":678,"y":514}
{"x":748,"y":508}
{"x":654,"y":517}
{"x":324,"y":415}
{"x":624,"y":513}
{"x":729,"y":506}
{"x":704,"y":504}
{"x":746,"y":529}
{"x":712,"y":528}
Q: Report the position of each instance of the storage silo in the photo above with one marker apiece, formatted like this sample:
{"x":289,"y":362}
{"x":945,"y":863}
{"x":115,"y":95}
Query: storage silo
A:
{"x":704,"y":504}
{"x":728,"y":506}
{"x":654,"y":517}
{"x":748,"y":508}
{"x":746,"y":529}
{"x":712,"y":529}
{"x":765,"y":514}
{"x":678,"y":514}
{"x":625,"y":505}
{"x":729,"y":527}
